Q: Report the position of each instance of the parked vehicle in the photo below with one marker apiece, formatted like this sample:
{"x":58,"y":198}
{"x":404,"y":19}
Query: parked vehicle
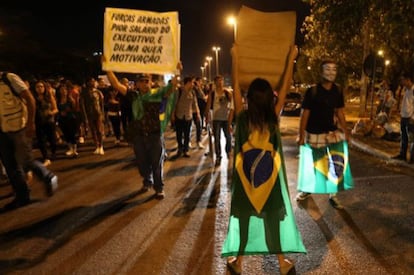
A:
{"x":293,"y":104}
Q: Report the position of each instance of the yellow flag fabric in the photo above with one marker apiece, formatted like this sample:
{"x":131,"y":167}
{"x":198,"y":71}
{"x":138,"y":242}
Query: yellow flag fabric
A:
{"x":263,"y":40}
{"x":137,"y":41}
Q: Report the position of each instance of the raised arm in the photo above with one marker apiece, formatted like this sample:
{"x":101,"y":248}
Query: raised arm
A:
{"x":237,"y":97}
{"x":287,"y":77}
{"x":116,"y":84}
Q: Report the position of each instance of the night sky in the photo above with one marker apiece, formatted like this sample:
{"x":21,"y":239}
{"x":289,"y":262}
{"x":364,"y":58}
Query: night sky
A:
{"x":79,"y":28}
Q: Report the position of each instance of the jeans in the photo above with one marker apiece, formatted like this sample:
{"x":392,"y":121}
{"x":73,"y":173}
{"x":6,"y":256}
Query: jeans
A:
{"x":24,"y":157}
{"x":182,"y":130}
{"x":8,"y":144}
{"x":149,"y":155}
{"x":219,"y":125}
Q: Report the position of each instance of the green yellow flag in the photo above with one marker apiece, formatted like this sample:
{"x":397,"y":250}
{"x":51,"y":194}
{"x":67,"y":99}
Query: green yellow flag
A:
{"x":324,"y":170}
{"x":261,"y":216}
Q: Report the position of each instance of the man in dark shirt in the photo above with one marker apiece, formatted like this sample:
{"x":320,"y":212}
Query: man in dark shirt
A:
{"x":323,"y":107}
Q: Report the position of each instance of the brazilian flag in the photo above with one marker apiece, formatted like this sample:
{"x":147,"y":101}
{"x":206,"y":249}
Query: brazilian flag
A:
{"x":166,"y":108}
{"x":261,"y":216}
{"x":324,"y":170}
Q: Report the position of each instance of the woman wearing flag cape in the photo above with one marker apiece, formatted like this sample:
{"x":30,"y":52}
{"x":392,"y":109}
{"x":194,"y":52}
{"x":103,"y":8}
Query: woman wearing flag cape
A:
{"x":323,"y":164}
{"x":261,"y":217}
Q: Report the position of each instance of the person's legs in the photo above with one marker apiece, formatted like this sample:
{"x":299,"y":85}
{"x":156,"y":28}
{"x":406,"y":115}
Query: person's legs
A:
{"x":25,"y":158}
{"x":217,"y":134}
{"x":140,"y":145}
{"x":14,"y":171}
{"x":187,"y":134}
{"x":404,"y":137}
{"x":179,"y":131}
{"x":227,"y":135}
{"x":157,"y":163}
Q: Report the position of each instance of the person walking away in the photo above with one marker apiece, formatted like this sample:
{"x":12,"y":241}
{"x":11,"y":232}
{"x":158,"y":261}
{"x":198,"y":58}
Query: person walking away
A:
{"x":220,"y":101}
{"x":186,"y":105}
{"x":92,"y":106}
{"x":16,"y":131}
{"x":407,"y":113}
{"x":323,"y":164}
{"x":201,"y":103}
{"x":259,"y":196}
{"x":144,"y":130}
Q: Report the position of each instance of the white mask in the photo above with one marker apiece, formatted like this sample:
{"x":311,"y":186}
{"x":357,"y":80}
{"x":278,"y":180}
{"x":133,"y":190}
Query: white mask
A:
{"x":329,"y":72}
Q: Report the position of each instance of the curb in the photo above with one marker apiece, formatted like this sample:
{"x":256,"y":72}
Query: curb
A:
{"x":380,"y":154}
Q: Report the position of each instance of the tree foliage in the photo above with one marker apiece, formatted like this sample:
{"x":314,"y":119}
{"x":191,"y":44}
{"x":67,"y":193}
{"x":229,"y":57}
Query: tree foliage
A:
{"x":347,"y":31}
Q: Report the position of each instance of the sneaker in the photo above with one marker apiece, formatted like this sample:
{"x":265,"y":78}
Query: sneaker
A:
{"x":186,"y":155}
{"x":301,"y":196}
{"x":97,"y":151}
{"x":51,"y":185}
{"x":16,"y":203}
{"x":101,"y":151}
{"x":190,"y":145}
{"x":47,"y":162}
{"x":70,"y":152}
{"x":200,"y":145}
{"x":160,"y":195}
{"x":81,"y":140}
{"x":335,"y":203}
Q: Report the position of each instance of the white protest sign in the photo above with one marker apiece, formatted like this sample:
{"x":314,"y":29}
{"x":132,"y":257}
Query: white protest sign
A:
{"x":137,"y":41}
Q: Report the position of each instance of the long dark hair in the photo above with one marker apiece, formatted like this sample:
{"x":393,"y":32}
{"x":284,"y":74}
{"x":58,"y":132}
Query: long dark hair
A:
{"x":260,"y":101}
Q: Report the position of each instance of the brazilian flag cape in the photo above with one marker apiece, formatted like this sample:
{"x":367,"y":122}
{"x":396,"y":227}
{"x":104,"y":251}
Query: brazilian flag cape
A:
{"x":324,"y":170}
{"x":261,"y":216}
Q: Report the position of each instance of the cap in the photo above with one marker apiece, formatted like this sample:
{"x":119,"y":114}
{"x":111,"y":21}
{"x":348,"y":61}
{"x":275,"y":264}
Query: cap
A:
{"x":143,"y":76}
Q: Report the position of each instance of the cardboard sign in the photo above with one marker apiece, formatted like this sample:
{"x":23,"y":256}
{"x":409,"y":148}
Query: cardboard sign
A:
{"x":263,"y":40}
{"x":137,"y":41}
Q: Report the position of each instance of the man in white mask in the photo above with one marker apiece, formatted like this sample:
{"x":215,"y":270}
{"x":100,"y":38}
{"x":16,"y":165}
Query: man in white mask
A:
{"x":323,"y":109}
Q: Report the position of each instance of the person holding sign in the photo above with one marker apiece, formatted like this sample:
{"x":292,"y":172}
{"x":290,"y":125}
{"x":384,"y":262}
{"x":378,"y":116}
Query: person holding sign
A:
{"x":261,"y":220}
{"x":145,"y":131}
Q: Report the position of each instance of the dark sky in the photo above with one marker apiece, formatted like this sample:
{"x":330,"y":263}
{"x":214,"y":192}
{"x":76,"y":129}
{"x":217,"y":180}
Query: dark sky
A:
{"x":79,"y":28}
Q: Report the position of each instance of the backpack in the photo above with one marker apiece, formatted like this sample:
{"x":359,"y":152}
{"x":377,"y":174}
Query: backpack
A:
{"x":13,"y":109}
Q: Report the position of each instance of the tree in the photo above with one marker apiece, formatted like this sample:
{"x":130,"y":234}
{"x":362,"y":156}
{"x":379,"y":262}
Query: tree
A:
{"x":348,"y":31}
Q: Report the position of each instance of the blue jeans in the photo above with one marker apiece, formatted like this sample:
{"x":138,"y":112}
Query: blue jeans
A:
{"x":219,"y":125}
{"x":8,"y":144}
{"x":24,"y":157}
{"x":149,"y":155}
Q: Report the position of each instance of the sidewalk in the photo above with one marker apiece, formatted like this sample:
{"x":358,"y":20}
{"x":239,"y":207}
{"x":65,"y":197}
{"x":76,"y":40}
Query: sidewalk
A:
{"x":378,"y":147}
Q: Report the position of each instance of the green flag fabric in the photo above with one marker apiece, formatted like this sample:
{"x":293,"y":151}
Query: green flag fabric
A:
{"x":324,"y":170}
{"x":261,"y":216}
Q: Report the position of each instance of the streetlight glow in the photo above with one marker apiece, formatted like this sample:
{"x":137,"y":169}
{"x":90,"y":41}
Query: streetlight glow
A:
{"x":209,"y":58}
{"x":231,"y":20}
{"x":217,"y":49}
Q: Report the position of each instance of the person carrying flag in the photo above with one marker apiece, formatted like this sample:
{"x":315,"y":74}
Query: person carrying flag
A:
{"x":323,"y":164}
{"x":261,"y":217}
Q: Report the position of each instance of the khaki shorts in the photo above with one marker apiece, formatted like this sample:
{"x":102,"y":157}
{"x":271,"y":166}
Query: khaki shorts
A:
{"x":322,"y":140}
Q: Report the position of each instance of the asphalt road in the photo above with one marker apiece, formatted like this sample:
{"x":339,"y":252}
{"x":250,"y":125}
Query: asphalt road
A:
{"x":98,"y":222}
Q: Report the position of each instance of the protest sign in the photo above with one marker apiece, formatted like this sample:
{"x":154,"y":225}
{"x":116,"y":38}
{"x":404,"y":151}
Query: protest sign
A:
{"x":263,"y":40}
{"x":138,"y":41}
